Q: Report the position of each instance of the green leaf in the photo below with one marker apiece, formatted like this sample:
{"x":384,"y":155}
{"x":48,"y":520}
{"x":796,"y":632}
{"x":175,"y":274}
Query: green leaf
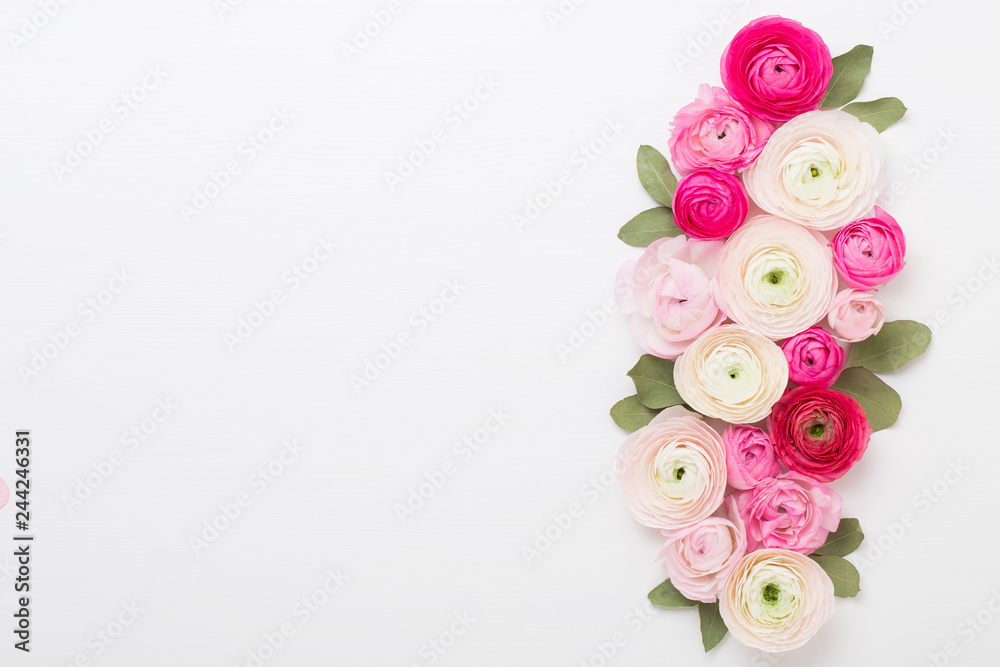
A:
{"x":896,"y":344}
{"x":631,"y":414}
{"x":665,"y":595}
{"x":845,"y":577}
{"x":649,"y":226}
{"x":655,"y":174}
{"x":713,"y":628}
{"x":849,"y":72}
{"x":654,"y":382}
{"x":880,"y":402}
{"x":847,"y":538}
{"x":880,"y":114}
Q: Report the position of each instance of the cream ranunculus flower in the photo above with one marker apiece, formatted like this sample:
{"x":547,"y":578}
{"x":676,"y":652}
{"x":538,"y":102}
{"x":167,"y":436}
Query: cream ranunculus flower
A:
{"x":776,"y":277}
{"x":673,"y":470}
{"x":732,"y":373}
{"x":822,"y":169}
{"x":776,"y":600}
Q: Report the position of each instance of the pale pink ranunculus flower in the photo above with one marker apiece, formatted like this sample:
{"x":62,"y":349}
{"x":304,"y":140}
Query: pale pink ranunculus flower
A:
{"x":668,"y":294}
{"x":700,"y":557}
{"x":716,"y":132}
{"x":790,"y":511}
{"x":856,"y":315}
{"x":822,"y":170}
{"x":673,"y":470}
{"x":776,"y":600}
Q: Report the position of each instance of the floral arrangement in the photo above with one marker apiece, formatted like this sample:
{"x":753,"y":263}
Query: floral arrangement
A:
{"x":754,"y":304}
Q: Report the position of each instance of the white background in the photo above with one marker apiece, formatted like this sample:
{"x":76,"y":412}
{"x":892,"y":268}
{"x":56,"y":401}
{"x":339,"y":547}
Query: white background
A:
{"x":495,"y":347}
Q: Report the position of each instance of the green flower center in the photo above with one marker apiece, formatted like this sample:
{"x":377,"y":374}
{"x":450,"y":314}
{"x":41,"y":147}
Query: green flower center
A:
{"x":771,"y":593}
{"x":679,"y":474}
{"x":817,"y":430}
{"x":813,"y":171}
{"x":775,"y":277}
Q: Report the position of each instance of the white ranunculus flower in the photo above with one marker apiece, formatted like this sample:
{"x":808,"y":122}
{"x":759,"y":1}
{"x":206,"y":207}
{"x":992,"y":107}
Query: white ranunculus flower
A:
{"x":673,"y":470}
{"x":776,"y":277}
{"x":822,"y":169}
{"x":732,"y":373}
{"x":776,"y":600}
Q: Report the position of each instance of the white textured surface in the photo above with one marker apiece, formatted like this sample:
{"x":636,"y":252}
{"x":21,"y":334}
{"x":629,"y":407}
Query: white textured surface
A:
{"x":493,"y":348}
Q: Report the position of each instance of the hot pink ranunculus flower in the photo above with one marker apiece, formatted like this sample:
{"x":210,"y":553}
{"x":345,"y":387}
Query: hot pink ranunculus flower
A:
{"x":791,"y":511}
{"x":815,"y":359}
{"x":716,"y":132}
{"x":869,"y":252}
{"x":819,"y":432}
{"x":710,"y":204}
{"x":777,"y":68}
{"x":699,"y":558}
{"x":669,"y":294}
{"x":856,"y":315}
{"x":750,"y":456}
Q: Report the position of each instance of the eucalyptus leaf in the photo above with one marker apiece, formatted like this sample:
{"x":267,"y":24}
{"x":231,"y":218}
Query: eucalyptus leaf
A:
{"x":845,"y":540}
{"x":880,"y":114}
{"x":713,"y":628}
{"x":896,"y":344}
{"x":631,"y":414}
{"x":654,"y":382}
{"x":880,"y":402}
{"x":667,"y":595}
{"x":655,"y":174}
{"x":648,"y":226}
{"x":849,"y":72}
{"x":846,"y":578}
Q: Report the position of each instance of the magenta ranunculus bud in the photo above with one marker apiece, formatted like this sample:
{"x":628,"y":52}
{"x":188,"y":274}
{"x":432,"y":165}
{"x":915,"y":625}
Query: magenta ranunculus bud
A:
{"x":750,"y":457}
{"x":777,"y":68}
{"x":815,"y":358}
{"x":710,"y":204}
{"x":818,"y":432}
{"x":869,"y":253}
{"x":716,"y":132}
{"x":790,"y":512}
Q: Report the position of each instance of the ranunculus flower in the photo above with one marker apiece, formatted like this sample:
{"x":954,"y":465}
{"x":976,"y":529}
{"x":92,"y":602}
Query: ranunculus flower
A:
{"x":856,"y":315}
{"x":777,"y":68}
{"x":869,"y":253}
{"x":776,"y":277}
{"x":710,"y":204}
{"x":822,"y":170}
{"x":790,"y":512}
{"x":776,"y":600}
{"x":815,"y":359}
{"x":732,"y":373}
{"x":716,"y":132}
{"x":750,"y":457}
{"x":819,"y":432}
{"x":669,"y":295}
{"x":699,"y":558}
{"x":673,"y":470}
